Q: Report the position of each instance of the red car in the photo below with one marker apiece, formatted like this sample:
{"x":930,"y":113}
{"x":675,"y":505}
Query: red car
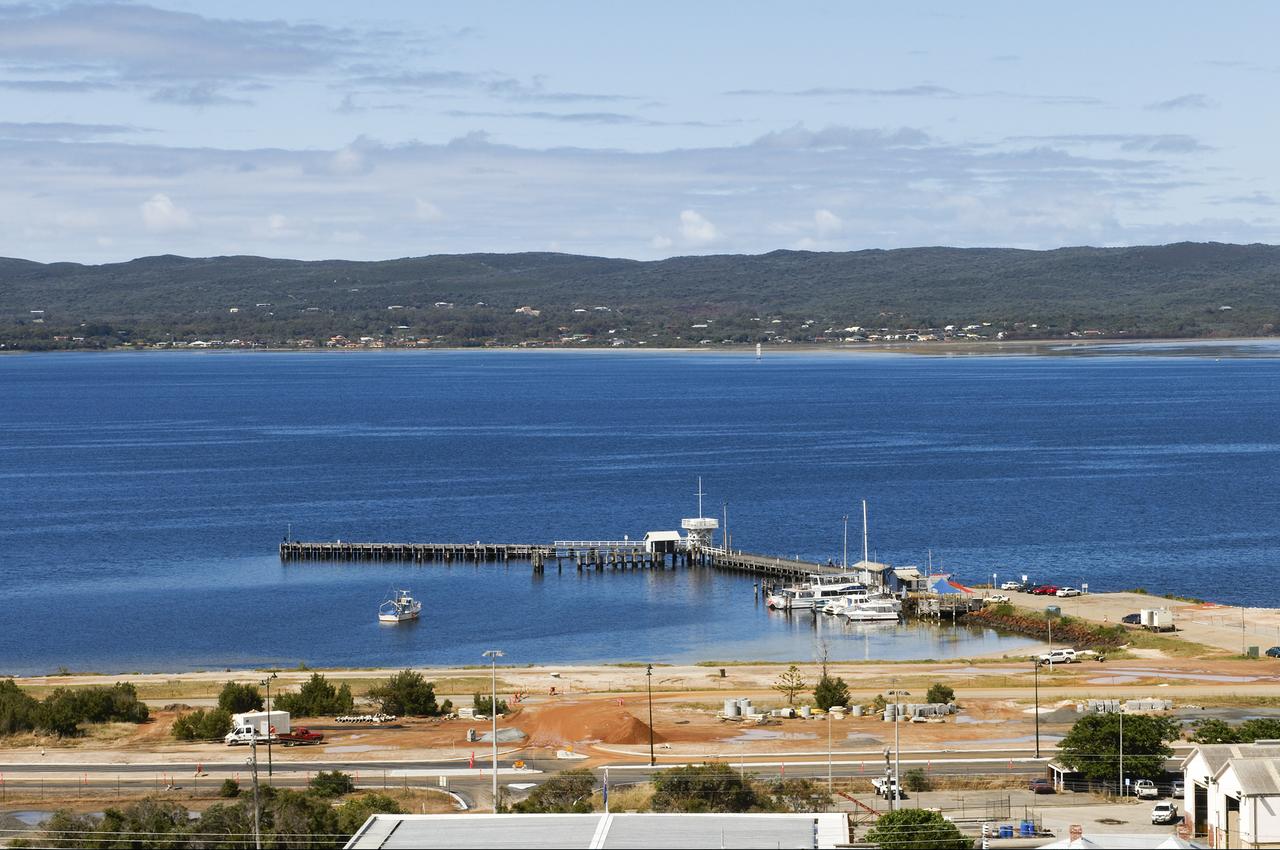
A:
{"x":1046,"y":590}
{"x":1040,"y":786}
{"x":299,"y":736}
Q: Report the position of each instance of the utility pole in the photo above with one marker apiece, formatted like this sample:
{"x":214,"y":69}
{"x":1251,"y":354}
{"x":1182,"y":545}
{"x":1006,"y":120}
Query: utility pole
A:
{"x":864,"y":529}
{"x":493,"y":655}
{"x":253,"y":761}
{"x":897,"y":750}
{"x":270,"y":728}
{"x":888,"y":778}
{"x":1122,"y":751}
{"x":830,"y":785}
{"x":648,"y":672}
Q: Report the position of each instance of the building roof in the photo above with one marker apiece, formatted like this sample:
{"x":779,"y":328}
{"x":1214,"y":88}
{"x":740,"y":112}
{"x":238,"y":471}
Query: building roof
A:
{"x":662,"y":535}
{"x":908,"y":573}
{"x":1257,"y":777}
{"x":603,"y":830}
{"x":1217,"y":755}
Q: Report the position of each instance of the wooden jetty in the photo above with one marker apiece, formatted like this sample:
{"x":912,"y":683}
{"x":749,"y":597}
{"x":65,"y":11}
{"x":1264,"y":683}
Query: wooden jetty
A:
{"x":581,"y":554}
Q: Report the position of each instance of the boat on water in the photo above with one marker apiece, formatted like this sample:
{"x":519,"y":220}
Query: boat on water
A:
{"x":880,"y":610}
{"x":400,"y":607}
{"x":814,"y":593}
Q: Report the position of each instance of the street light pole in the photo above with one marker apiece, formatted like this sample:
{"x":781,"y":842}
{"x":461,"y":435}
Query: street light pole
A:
{"x":267,"y":682}
{"x":493,"y":655}
{"x":648,"y":672}
{"x":1121,"y":751}
{"x":897,"y":752}
{"x":1036,"y":662}
{"x":830,"y":786}
{"x":844,"y":559}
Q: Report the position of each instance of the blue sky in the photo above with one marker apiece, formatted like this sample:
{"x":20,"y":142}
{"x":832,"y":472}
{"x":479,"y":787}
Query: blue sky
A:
{"x":641,"y":130}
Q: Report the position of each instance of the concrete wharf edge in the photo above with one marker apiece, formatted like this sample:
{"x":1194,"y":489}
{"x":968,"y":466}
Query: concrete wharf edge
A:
{"x":624,"y":556}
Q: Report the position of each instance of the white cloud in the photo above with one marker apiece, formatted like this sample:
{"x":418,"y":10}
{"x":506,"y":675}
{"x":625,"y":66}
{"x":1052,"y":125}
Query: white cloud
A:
{"x":160,"y":213}
{"x":426,"y":211}
{"x":827,"y":222}
{"x":696,"y":229}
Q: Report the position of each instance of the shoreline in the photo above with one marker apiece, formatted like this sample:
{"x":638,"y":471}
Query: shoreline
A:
{"x":1046,"y":347}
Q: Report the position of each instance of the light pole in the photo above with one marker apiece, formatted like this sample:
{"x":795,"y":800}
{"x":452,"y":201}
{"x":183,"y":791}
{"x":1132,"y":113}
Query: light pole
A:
{"x":830,"y":786}
{"x":897,"y":752}
{"x":648,"y":672}
{"x":253,"y":762}
{"x":1122,"y":751}
{"x":267,"y":682}
{"x":493,"y":655}
{"x":1036,"y":662}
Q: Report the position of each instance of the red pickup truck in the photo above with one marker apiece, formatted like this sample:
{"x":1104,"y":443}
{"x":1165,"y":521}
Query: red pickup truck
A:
{"x":299,"y":736}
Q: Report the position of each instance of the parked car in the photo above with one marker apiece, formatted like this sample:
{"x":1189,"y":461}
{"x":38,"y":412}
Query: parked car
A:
{"x":1145,"y":789}
{"x":300,"y":736}
{"x":1059,"y":656}
{"x":1177,"y":789}
{"x":1274,"y":652}
{"x":1012,"y":585}
{"x":1040,"y":785}
{"x":1164,"y":813}
{"x":1000,"y":597}
{"x":1132,"y":619}
{"x":1067,"y":591}
{"x":1046,"y":590}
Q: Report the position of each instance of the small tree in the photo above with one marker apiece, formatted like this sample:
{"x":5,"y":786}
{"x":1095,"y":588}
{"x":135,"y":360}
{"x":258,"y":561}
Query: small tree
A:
{"x":1093,"y":746}
{"x":202,"y":725}
{"x":332,"y":783}
{"x":917,"y":780}
{"x":236,"y":698}
{"x":703,"y":788}
{"x":407,"y":692}
{"x":565,"y":792}
{"x":939,"y":692}
{"x":484,"y":705}
{"x":1258,"y":728}
{"x":917,"y":829}
{"x":790,"y":683}
{"x":1211,"y":730}
{"x":830,"y":691}
{"x":318,"y":698}
{"x":230,"y":788}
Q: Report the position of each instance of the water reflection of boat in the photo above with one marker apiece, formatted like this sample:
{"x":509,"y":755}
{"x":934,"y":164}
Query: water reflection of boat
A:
{"x":399,"y":608}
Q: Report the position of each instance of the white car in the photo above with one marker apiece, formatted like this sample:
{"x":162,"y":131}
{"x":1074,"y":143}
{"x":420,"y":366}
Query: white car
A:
{"x":1059,"y":656}
{"x":1011,"y":585}
{"x":1067,"y":591}
{"x":887,"y":787}
{"x":998,"y":597}
{"x":1145,"y":789}
{"x":1164,"y":813}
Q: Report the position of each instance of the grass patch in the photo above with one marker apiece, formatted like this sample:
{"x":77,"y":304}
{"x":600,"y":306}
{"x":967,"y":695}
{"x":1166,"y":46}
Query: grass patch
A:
{"x":626,"y":798}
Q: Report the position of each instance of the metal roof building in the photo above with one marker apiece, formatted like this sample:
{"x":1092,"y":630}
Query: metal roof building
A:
{"x":603,"y":831}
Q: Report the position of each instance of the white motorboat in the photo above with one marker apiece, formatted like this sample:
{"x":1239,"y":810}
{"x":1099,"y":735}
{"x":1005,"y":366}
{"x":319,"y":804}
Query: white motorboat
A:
{"x":399,"y":608}
{"x":883,"y":609}
{"x":817,"y":592}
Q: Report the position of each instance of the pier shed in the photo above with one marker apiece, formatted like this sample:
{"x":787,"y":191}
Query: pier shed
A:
{"x":662,"y":542}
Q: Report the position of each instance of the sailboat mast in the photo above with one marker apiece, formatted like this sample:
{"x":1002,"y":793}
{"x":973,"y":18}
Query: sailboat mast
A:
{"x":864,"y":530}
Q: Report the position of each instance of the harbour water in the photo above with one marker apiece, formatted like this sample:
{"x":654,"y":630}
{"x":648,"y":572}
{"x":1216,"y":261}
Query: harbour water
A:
{"x":142,"y":496}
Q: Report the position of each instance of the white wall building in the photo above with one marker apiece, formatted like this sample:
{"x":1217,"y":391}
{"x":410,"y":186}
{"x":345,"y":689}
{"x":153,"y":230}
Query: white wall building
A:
{"x":1232,"y":794}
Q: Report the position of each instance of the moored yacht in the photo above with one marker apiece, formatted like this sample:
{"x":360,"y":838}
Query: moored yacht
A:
{"x":880,"y":609}
{"x":815,"y":593}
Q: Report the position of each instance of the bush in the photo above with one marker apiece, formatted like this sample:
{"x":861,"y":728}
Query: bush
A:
{"x":917,"y":829}
{"x":17,"y":709}
{"x":830,"y":692}
{"x":916,"y":779}
{"x":703,"y":788}
{"x":406,"y":693}
{"x":236,"y":698}
{"x":202,"y":725}
{"x":484,"y":705}
{"x":354,"y":812}
{"x":939,"y":692}
{"x":332,"y":783}
{"x":318,"y":698}
{"x":564,"y":792}
{"x":230,"y":788}
{"x":799,"y":795}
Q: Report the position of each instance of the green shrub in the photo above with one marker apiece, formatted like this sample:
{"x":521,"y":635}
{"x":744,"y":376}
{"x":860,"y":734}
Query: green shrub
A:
{"x":830,"y":691}
{"x":711,"y":787}
{"x":318,"y":698}
{"x":354,"y":812}
{"x":916,"y":779}
{"x":202,"y":725}
{"x":484,"y":705}
{"x":917,"y":829}
{"x":569,"y":791}
{"x":332,"y":783}
{"x":230,"y":788}
{"x":939,"y":692}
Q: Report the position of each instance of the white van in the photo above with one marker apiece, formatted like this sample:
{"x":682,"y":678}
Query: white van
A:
{"x":246,"y":735}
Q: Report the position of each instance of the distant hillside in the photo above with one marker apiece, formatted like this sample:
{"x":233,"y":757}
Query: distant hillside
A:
{"x":1176,"y":290}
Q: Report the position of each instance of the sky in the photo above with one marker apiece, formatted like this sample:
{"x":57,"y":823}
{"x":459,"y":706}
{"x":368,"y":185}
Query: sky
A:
{"x":645,"y":130}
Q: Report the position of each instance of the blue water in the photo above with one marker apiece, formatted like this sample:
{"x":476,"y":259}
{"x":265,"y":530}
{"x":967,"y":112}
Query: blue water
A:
{"x":142,"y":496}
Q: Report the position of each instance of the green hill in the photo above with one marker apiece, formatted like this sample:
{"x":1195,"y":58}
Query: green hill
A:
{"x":1170,"y":290}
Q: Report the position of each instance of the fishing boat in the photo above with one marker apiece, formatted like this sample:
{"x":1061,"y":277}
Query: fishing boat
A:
{"x":399,"y":608}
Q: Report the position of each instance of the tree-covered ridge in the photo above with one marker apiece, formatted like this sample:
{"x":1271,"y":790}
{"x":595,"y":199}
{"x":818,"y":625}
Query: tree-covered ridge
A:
{"x":1171,"y":290}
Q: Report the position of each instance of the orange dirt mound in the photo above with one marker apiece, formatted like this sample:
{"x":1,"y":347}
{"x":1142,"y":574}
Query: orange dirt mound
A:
{"x":599,"y":722}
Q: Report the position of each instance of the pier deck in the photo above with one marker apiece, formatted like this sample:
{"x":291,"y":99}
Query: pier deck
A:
{"x":583,"y":554}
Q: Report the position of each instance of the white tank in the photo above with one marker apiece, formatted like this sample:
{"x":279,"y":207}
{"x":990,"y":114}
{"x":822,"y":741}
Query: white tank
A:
{"x":731,"y":708}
